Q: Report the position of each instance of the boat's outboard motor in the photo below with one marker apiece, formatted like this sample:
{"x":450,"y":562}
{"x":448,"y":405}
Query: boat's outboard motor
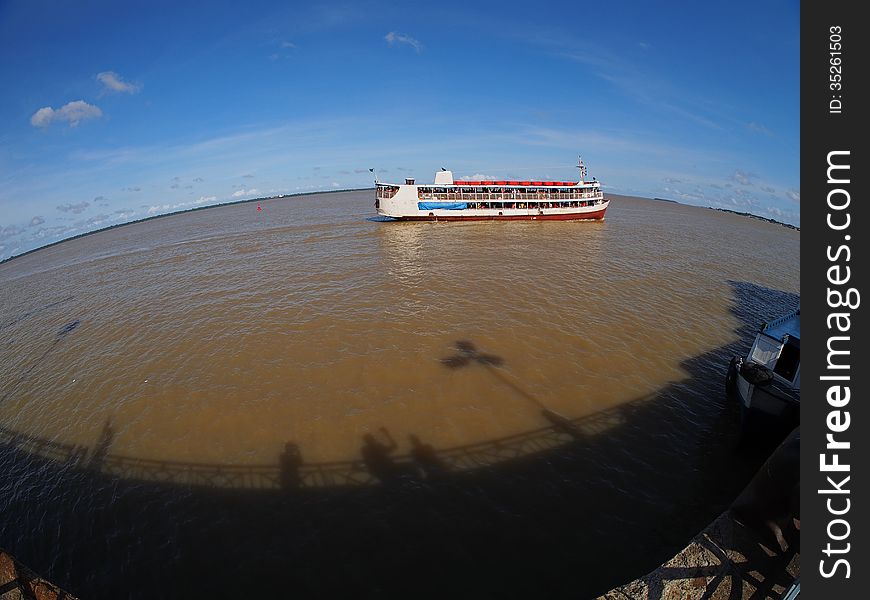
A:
{"x":756,"y":374}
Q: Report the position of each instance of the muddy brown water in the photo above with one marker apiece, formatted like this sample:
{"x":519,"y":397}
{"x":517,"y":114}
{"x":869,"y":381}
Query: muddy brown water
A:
{"x":218,"y":336}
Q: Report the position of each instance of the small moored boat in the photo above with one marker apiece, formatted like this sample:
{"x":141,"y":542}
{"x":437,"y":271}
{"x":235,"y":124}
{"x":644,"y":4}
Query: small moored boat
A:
{"x":767,"y":381}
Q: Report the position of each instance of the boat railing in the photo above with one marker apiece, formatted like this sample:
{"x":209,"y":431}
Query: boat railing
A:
{"x":508,"y":197}
{"x":780,"y":320}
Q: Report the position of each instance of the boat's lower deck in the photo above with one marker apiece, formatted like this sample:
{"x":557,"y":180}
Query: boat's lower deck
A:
{"x":493,"y":215}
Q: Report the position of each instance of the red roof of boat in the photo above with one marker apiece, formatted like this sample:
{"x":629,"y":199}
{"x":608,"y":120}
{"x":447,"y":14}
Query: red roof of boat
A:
{"x":525,"y":183}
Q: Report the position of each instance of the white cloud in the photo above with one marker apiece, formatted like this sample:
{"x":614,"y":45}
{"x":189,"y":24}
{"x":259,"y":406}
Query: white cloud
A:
{"x":742,"y":178}
{"x":42,"y":117}
{"x":36,"y":221}
{"x":9,"y":231}
{"x":401,"y":38}
{"x":55,"y":231}
{"x":794,"y":196}
{"x":288,"y":45}
{"x":74,"y":208}
{"x":72,"y":112}
{"x":477,"y":177}
{"x":114,"y":83}
{"x":698,"y":196}
{"x":244,"y":192}
{"x":759,"y":128}
{"x":160,"y":208}
{"x":95,"y":221}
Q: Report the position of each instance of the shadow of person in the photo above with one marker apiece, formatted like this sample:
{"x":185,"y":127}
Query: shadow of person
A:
{"x":102,"y":448}
{"x":427,"y":458}
{"x":377,"y":459}
{"x":289,"y":464}
{"x":562,"y":424}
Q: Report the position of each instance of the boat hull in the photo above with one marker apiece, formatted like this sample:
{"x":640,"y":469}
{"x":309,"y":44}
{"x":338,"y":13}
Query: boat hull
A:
{"x":765,"y":406}
{"x":597,"y":215}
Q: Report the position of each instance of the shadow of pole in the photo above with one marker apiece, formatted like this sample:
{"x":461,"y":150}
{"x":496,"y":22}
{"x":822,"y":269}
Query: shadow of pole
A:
{"x":61,"y":334}
{"x":468,"y":354}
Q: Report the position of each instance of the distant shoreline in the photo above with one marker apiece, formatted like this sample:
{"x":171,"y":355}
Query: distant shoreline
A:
{"x":751,"y":216}
{"x":234,"y":202}
{"x":180,"y":212}
{"x":735,"y":212}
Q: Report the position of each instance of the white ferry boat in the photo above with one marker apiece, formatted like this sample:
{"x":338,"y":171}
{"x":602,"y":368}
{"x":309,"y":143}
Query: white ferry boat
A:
{"x":768,"y":381}
{"x":459,"y":200}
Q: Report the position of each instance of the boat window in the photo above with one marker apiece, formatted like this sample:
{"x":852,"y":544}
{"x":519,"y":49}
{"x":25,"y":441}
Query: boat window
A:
{"x":386,"y":191}
{"x":789,"y":359}
{"x":766,"y":351}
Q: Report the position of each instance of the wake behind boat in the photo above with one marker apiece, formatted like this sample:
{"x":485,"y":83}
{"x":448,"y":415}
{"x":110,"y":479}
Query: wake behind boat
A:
{"x":449,"y":200}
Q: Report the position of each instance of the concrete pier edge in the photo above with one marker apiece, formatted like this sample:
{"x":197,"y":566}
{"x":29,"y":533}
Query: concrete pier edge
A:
{"x":17,"y":582}
{"x":752,"y":550}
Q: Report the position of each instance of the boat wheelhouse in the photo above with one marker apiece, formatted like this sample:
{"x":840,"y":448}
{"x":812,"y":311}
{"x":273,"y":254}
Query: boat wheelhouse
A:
{"x":767,"y":382}
{"x":457,"y":200}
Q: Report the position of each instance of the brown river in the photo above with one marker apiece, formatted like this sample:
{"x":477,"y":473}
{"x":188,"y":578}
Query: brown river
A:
{"x":549,"y":397}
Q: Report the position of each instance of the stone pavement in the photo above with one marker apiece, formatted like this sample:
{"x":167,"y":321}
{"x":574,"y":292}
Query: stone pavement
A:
{"x":725,"y":561}
{"x":17,"y":582}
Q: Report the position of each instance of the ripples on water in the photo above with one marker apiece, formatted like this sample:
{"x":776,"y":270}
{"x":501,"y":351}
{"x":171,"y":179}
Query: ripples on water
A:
{"x":217,"y":336}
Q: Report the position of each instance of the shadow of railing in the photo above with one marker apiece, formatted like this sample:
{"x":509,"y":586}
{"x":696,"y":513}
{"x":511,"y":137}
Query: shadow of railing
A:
{"x":310,"y":475}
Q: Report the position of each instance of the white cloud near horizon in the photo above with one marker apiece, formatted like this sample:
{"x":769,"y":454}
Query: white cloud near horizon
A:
{"x":742,"y":177}
{"x":400,"y":38}
{"x":113,"y":82}
{"x":477,"y":177}
{"x":243,"y":192}
{"x":71,"y":112}
{"x":160,"y":208}
{"x":758,"y":128}
{"x":74,"y":208}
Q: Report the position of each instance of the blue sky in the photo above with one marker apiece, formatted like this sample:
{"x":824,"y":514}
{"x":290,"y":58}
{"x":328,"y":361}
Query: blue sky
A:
{"x":114,"y":111}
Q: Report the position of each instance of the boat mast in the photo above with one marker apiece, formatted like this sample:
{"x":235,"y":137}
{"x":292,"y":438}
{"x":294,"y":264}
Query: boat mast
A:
{"x":582,"y":168}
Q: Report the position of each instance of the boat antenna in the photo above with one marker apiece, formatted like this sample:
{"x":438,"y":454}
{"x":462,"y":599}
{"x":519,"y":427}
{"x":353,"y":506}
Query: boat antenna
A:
{"x":373,"y":173}
{"x":582,"y":168}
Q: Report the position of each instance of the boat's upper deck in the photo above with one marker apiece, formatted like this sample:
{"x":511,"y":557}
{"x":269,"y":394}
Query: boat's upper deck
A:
{"x":445,"y":188}
{"x":789,"y":325}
